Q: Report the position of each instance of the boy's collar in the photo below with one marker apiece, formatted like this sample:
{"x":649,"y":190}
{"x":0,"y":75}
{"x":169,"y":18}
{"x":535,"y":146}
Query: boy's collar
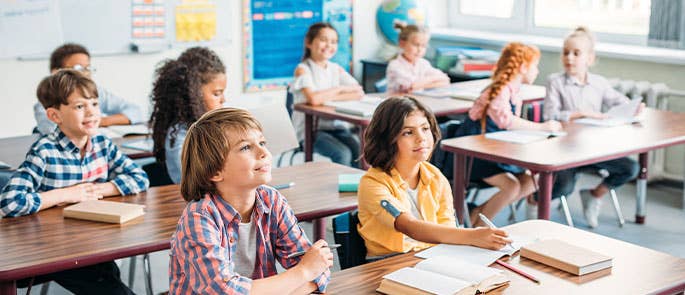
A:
{"x":259,"y":206}
{"x":67,"y":144}
{"x":590,"y":78}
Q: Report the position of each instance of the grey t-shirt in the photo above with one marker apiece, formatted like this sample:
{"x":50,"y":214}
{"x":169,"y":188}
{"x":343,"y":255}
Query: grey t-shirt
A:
{"x":246,"y":249}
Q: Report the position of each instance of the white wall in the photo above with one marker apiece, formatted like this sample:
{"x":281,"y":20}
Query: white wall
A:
{"x":130,"y":76}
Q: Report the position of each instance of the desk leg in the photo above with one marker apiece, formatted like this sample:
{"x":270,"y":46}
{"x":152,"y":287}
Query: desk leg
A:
{"x":641,"y":193}
{"x":308,"y":137}
{"x":364,"y":165}
{"x":8,"y":288}
{"x":319,"y":226}
{"x":459,"y":180}
{"x":545,"y":194}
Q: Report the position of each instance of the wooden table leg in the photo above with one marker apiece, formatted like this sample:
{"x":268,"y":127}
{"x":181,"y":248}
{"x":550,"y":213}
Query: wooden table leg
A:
{"x":319,"y":226}
{"x":459,"y":191}
{"x":308,"y":137}
{"x":641,"y":193}
{"x":8,"y":288}
{"x":546,"y":180}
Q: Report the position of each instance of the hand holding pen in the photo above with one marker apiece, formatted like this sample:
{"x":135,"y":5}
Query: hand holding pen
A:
{"x":316,"y":260}
{"x":492,"y":237}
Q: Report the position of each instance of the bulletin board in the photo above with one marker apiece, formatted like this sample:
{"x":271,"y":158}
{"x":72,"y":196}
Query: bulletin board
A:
{"x":33,"y":28}
{"x":273,"y":37}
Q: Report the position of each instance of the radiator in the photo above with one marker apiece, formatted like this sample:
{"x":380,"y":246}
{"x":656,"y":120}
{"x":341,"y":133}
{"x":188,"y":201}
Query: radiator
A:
{"x":654,"y":95}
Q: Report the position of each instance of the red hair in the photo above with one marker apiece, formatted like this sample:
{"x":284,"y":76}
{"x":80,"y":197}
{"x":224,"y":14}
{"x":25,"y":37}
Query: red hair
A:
{"x":513,"y":57}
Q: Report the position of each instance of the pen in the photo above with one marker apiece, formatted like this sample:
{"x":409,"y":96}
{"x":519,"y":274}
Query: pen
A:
{"x":332,"y":246}
{"x":284,"y":185}
{"x":518,"y":271}
{"x":491,"y":225}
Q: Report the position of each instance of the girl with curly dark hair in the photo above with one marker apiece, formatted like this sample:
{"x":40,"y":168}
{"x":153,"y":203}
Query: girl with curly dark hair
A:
{"x":184,"y":89}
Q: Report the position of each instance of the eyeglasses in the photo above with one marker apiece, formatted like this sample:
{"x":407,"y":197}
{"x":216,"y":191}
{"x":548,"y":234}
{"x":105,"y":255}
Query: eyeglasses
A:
{"x":86,"y":69}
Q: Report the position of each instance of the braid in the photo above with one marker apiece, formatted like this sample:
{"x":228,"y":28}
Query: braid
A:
{"x":513,"y":56}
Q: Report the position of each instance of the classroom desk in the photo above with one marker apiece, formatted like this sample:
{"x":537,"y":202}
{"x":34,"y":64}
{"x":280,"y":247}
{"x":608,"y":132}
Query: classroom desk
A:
{"x":440,"y":106}
{"x":636,"y":270}
{"x":13,"y":149}
{"x":582,"y":146}
{"x":47,"y":242}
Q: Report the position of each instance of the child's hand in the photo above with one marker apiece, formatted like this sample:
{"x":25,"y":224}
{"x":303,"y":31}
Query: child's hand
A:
{"x":80,"y":192}
{"x":489,"y":238}
{"x":317,"y":260}
{"x":552,"y":125}
{"x":594,"y":115}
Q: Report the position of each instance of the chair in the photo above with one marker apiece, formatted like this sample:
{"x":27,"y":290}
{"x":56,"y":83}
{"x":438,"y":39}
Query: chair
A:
{"x":381,"y":85}
{"x":157,"y":174}
{"x":612,"y":192}
{"x":352,"y":251}
{"x":472,"y":190}
{"x":289,"y":102}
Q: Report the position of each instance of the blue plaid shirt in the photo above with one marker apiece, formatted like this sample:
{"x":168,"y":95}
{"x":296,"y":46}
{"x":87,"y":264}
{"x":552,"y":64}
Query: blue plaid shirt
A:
{"x":55,"y":162}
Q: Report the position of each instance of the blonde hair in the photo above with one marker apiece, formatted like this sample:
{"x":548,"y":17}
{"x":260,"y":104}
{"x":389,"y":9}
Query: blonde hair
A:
{"x":583,"y":32}
{"x":514,"y":55}
{"x":407,"y":30}
{"x":206,"y":146}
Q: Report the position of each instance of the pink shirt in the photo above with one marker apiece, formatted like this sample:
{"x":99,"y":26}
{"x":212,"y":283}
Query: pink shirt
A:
{"x":401,"y":73}
{"x":500,"y":107}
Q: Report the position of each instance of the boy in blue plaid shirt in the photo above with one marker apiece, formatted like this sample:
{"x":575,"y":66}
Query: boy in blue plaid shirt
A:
{"x":72,"y":164}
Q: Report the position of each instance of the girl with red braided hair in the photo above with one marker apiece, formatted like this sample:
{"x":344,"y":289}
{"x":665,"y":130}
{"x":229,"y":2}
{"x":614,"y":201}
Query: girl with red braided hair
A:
{"x":499,"y":108}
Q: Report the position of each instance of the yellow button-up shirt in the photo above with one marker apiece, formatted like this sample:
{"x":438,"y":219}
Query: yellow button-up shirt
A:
{"x":377,"y":226}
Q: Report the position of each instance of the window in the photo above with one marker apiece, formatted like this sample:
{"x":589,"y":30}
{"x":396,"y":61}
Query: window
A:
{"x":619,"y":21}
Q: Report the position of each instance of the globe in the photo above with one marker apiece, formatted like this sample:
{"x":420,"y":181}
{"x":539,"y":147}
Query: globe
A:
{"x":391,"y":11}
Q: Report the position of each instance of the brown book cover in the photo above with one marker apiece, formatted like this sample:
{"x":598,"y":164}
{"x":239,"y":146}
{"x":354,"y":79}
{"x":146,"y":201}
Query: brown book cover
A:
{"x":567,"y":257}
{"x":104,"y":211}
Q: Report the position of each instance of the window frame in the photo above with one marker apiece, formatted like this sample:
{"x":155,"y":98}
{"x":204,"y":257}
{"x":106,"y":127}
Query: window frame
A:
{"x":523,"y":22}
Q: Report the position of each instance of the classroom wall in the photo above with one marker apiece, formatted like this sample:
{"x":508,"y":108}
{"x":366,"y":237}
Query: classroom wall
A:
{"x":130,"y":76}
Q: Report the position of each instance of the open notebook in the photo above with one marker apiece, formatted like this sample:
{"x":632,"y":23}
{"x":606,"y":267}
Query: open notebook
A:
{"x":618,"y":115}
{"x":363,"y":107}
{"x":442,"y":275}
{"x":116,"y":131}
{"x":523,"y":136}
{"x":466,"y":93}
{"x":475,"y":255}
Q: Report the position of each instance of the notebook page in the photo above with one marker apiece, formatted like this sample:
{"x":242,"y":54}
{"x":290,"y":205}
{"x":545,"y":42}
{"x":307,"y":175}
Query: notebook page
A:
{"x":453,"y":267}
{"x":475,"y":255}
{"x":427,"y":281}
{"x":626,"y":110}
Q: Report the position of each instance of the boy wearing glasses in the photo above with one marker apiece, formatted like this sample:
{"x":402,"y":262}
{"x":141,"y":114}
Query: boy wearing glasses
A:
{"x":114,"y":109}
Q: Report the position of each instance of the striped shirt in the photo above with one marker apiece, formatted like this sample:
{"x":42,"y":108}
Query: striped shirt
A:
{"x":54,"y":161}
{"x":206,"y":240}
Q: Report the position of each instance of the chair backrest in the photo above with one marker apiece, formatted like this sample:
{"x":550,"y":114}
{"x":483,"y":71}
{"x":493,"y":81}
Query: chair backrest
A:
{"x":352,"y":251}
{"x":289,"y":101}
{"x":157,"y":174}
{"x":441,"y":159}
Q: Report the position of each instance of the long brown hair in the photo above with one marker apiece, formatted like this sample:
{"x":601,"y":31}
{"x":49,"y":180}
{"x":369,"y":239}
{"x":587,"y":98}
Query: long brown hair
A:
{"x":513,"y":56}
{"x":312,"y":33}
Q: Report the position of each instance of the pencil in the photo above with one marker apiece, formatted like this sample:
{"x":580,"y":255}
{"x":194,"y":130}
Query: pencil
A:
{"x":332,"y":246}
{"x":518,"y":271}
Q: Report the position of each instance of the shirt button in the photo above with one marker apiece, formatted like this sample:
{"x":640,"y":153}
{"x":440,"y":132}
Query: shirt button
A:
{"x":231,"y":240}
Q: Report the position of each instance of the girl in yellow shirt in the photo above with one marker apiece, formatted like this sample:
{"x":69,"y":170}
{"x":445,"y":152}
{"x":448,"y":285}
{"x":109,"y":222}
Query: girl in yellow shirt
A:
{"x":399,"y":142}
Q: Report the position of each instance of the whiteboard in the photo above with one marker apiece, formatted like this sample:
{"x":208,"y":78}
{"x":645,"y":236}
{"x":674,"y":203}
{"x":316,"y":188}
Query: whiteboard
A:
{"x":33,"y":28}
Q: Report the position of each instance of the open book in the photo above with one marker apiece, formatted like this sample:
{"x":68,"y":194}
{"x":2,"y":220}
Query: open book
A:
{"x":141,"y":144}
{"x":442,"y":275}
{"x":363,"y":107}
{"x":116,"y":131}
{"x":475,"y":255}
{"x":618,"y":115}
{"x":523,"y":136}
{"x":451,"y":91}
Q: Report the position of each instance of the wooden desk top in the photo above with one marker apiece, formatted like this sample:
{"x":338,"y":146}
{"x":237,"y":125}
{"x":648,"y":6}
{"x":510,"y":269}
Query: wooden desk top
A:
{"x":583,"y":145}
{"x":636,"y":270}
{"x":47,"y":242}
{"x":13,"y":149}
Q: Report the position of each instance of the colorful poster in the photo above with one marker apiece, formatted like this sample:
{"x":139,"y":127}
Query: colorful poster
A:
{"x":273,"y":37}
{"x":195,"y":21}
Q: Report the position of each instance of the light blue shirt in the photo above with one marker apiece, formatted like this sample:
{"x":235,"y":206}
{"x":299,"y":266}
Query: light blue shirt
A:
{"x":173,"y":153}
{"x":110,"y":104}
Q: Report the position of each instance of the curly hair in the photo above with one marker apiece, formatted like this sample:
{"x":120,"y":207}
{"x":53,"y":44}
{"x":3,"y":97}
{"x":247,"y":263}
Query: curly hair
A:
{"x":380,"y":148}
{"x":508,"y":67}
{"x":177,"y":94}
{"x":63,"y":52}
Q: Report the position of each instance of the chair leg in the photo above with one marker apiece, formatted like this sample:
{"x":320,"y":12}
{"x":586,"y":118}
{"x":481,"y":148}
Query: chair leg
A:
{"x":467,"y":219}
{"x":131,"y":270}
{"x":617,"y":207}
{"x":45,"y":288}
{"x":512,"y":214}
{"x":148,"y":274}
{"x":567,"y":212}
